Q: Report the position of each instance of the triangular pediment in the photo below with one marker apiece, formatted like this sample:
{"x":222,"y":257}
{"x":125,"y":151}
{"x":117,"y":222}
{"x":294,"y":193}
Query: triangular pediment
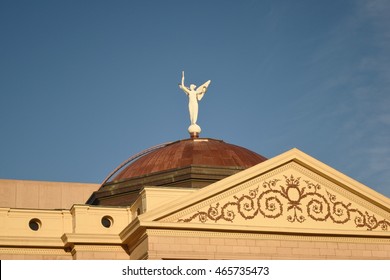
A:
{"x":289,"y":193}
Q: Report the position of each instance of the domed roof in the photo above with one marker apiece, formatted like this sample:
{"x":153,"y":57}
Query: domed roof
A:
{"x":190,"y":152}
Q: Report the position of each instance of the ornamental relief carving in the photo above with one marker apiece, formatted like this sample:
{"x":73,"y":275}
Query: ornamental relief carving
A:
{"x":293,"y":199}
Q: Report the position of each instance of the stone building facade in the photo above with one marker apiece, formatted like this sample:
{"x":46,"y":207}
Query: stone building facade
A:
{"x":198,"y":199}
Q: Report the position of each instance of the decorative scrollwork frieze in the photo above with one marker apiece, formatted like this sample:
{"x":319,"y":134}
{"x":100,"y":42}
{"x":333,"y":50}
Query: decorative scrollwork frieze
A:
{"x":273,"y":200}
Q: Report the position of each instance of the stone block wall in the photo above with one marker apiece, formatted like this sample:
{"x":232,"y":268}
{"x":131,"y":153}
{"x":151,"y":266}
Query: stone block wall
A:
{"x":207,"y":245}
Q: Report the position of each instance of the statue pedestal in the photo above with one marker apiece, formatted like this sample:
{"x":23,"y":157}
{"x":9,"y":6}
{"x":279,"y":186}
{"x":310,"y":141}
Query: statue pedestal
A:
{"x":194,"y":130}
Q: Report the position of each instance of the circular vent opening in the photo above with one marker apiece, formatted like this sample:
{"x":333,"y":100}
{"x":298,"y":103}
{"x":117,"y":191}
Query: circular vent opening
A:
{"x":35,"y":224}
{"x":107,"y":221}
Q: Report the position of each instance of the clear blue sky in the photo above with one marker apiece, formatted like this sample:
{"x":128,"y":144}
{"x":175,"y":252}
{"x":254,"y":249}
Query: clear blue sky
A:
{"x":86,"y":84}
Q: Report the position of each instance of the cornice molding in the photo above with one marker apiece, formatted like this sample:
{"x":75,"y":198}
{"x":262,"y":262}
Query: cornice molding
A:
{"x":70,"y":239}
{"x":31,"y":241}
{"x":197,"y":233}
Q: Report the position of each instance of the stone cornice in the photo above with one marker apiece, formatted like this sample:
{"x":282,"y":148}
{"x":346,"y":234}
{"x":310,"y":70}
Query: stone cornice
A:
{"x":30,"y":241}
{"x":69,"y":239}
{"x":261,"y":229}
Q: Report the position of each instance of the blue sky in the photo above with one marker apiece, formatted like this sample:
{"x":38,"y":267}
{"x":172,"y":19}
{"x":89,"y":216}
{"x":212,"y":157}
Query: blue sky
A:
{"x":86,"y":84}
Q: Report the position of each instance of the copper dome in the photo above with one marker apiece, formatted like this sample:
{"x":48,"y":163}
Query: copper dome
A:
{"x":190,"y":152}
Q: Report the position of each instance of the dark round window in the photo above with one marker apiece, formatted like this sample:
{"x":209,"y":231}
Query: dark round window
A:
{"x":107,"y":221}
{"x":34,"y":224}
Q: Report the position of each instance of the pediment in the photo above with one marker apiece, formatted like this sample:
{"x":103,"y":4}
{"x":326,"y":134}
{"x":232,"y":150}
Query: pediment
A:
{"x":292,"y":192}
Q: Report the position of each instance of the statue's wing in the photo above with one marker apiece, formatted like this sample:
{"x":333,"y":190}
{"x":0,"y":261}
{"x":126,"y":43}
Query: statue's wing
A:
{"x":201,"y":90}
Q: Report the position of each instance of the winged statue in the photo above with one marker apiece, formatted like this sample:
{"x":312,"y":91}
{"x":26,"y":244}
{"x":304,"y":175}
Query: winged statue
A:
{"x":194,"y":94}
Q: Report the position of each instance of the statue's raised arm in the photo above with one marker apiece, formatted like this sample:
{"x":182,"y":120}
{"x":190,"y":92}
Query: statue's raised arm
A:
{"x":182,"y":86}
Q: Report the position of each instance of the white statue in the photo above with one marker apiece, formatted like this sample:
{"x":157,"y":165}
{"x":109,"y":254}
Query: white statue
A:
{"x":194,"y":95}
